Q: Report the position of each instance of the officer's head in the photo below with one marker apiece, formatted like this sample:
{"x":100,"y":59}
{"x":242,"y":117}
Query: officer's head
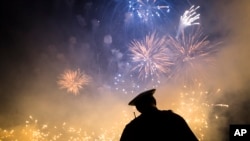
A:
{"x":144,"y":101}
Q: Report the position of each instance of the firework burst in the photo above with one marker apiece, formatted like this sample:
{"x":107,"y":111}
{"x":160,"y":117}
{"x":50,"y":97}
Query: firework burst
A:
{"x":73,"y":80}
{"x":194,"y":53}
{"x":150,"y":56}
{"x":188,"y":18}
{"x":147,"y":9}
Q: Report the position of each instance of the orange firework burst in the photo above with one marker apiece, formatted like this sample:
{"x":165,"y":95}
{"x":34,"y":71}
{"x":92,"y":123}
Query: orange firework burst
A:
{"x":73,"y":80}
{"x":150,"y":56}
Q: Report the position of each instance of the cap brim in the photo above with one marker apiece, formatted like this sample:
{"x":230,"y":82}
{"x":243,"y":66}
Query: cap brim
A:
{"x":139,"y":96}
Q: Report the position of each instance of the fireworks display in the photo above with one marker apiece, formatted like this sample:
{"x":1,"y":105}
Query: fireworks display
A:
{"x":135,"y":45}
{"x":73,"y":81}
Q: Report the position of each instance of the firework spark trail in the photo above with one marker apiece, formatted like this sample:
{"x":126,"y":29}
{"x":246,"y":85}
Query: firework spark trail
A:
{"x":195,"y":105}
{"x":193,"y":53}
{"x":188,"y":18}
{"x":73,"y":81}
{"x":147,"y":9}
{"x":125,"y":84}
{"x":127,"y":81}
{"x":33,"y":130}
{"x":150,"y":56}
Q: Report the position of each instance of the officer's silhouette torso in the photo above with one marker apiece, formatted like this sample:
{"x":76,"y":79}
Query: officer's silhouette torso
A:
{"x":158,"y":125}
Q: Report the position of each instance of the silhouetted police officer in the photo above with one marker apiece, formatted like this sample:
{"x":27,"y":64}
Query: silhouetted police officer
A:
{"x":154,"y":124}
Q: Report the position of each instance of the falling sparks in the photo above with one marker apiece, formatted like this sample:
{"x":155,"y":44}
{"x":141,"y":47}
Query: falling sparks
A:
{"x":126,"y":84}
{"x":73,"y":81}
{"x":33,"y":130}
{"x":196,"y":105}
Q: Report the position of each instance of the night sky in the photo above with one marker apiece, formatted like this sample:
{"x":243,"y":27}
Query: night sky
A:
{"x":40,"y":39}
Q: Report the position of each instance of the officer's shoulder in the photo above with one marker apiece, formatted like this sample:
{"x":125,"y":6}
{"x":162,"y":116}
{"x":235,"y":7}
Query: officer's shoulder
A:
{"x":171,"y":114}
{"x":134,"y":121}
{"x":167,"y":112}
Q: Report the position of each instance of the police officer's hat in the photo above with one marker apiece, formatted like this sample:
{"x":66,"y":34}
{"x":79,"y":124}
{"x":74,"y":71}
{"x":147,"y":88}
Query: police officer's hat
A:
{"x":142,"y":96}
